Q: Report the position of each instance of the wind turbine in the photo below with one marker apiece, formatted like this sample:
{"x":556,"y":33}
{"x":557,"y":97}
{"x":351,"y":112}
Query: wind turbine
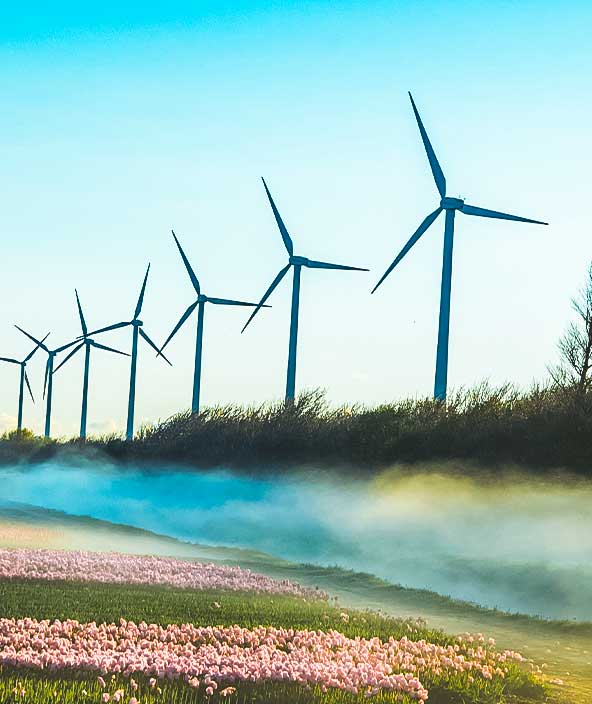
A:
{"x":48,"y":382}
{"x":450,"y":205}
{"x":199,"y":303}
{"x":87,"y":343}
{"x":136,"y":324}
{"x":24,"y":380}
{"x":296,"y":262}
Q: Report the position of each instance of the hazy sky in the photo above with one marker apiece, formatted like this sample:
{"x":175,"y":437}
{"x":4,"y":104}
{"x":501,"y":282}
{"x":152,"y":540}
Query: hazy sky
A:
{"x":123,"y":121}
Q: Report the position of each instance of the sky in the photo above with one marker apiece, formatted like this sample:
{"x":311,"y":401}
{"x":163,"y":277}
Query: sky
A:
{"x":127,"y":119}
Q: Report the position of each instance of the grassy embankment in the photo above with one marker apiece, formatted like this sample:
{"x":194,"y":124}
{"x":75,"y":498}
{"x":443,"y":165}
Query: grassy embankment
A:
{"x":103,"y":602}
{"x":541,"y":428}
{"x":566,"y":647}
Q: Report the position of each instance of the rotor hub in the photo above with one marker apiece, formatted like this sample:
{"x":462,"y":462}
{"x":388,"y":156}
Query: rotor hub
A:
{"x":452,"y":203}
{"x":137,"y":323}
{"x":202,"y":298}
{"x":298,"y":261}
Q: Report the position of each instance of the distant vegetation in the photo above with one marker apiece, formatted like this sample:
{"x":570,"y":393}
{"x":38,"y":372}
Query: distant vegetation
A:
{"x":545,"y":427}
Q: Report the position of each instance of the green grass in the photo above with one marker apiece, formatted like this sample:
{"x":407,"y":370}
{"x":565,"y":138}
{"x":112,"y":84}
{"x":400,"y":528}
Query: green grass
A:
{"x":544,"y":427}
{"x":104,"y":602}
{"x":78,"y":690}
{"x":164,"y":605}
{"x":334,"y":579}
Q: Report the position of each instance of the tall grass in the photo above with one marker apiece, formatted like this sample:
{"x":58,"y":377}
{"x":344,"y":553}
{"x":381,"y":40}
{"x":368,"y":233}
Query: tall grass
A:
{"x":541,"y":428}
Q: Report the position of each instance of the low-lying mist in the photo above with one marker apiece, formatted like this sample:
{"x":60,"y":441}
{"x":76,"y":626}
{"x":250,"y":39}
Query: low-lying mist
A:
{"x":514,"y":543}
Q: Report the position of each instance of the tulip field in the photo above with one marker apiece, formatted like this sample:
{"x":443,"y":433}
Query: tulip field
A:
{"x":115,"y":568}
{"x":92,"y":627}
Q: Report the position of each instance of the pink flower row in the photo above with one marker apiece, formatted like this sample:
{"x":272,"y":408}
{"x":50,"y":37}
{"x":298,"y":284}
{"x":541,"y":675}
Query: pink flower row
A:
{"x":137,"y":569}
{"x":213,"y":656}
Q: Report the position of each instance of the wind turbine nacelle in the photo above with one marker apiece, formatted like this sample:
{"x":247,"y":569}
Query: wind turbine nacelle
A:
{"x":202,"y":299}
{"x":298,"y":261}
{"x":137,"y":323}
{"x":452,"y":203}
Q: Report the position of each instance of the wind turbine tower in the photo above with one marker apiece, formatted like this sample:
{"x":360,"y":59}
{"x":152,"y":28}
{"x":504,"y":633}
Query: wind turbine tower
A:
{"x":297,"y":263}
{"x":450,"y":206}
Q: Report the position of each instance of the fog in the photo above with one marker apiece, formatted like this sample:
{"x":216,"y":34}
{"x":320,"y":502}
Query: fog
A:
{"x":515,"y":543}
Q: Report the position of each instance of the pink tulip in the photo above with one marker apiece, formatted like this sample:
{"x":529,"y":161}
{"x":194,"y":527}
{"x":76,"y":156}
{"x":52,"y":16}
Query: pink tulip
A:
{"x":220,"y":656}
{"x":116,"y":568}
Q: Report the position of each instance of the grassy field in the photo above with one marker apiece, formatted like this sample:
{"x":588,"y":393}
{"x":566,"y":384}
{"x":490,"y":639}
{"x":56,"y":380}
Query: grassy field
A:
{"x":543,"y":428}
{"x":18,"y":687}
{"x":566,"y":647}
{"x":103,"y":602}
{"x":163,"y":605}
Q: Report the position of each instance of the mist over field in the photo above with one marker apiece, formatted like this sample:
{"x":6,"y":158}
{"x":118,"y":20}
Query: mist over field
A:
{"x":515,"y":543}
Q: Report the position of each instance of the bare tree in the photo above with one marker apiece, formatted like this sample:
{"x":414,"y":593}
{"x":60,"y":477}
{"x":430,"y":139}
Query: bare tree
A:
{"x":575,"y":345}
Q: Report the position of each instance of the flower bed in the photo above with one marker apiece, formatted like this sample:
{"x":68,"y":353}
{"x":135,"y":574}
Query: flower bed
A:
{"x":137,"y":569}
{"x":212,"y":657}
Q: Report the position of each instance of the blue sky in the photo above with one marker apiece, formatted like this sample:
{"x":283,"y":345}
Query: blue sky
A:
{"x":125,"y":120}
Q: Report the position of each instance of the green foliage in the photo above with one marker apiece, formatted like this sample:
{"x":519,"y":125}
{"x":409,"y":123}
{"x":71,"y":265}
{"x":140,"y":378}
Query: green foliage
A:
{"x":23,"y":436}
{"x":18,"y":445}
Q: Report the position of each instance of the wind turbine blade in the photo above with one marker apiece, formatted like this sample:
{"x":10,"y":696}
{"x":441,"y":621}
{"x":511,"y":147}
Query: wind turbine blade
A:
{"x":80,"y":313}
{"x":29,"y":387}
{"x":46,"y":376}
{"x":484,"y":213}
{"x":33,"y":339}
{"x":154,"y":347}
{"x":326,"y":265}
{"x":116,"y":326}
{"x":141,"y":296}
{"x":108,"y":349}
{"x":180,"y":324}
{"x":65,"y":347}
{"x":9,"y":359}
{"x":229,"y":302}
{"x":435,"y":166}
{"x":28,"y":357}
{"x":416,"y":235}
{"x":267,"y":294}
{"x":190,"y":271}
{"x":69,"y":356}
{"x":278,"y":218}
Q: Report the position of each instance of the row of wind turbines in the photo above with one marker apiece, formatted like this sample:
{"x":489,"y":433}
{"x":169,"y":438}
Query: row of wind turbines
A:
{"x":450,"y":206}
